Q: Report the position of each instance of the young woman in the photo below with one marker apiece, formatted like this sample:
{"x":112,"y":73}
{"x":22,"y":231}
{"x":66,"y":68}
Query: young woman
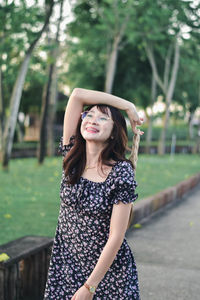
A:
{"x":91,"y":258}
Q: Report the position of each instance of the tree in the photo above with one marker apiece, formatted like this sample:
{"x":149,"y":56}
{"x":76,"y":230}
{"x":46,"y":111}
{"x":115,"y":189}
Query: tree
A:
{"x":187,"y":92}
{"x":166,"y":27}
{"x":49,"y":97}
{"x":168,"y":85}
{"x":18,"y":86}
{"x":2,"y":110}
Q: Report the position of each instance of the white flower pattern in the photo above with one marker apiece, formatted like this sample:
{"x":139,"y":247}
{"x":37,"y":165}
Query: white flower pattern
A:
{"x":82,"y":232}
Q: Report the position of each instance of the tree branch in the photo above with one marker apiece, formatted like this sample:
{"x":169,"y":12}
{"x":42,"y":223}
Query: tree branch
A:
{"x":49,"y":12}
{"x":174,"y":70}
{"x":59,"y":20}
{"x":152,"y":61}
{"x":167,"y":66}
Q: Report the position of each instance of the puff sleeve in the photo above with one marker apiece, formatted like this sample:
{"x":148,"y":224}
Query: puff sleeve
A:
{"x":125,"y":185}
{"x":64,"y":149}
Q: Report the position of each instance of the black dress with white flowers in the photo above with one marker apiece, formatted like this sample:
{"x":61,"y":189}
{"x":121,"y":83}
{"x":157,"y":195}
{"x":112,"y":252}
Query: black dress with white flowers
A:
{"x":82,"y":232}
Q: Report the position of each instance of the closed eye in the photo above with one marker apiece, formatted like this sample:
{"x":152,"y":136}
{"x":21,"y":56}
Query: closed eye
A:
{"x":89,"y":115}
{"x":103,"y":118}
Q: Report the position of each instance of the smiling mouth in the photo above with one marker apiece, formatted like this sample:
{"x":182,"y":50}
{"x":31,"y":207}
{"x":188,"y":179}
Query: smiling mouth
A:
{"x":93,"y":130}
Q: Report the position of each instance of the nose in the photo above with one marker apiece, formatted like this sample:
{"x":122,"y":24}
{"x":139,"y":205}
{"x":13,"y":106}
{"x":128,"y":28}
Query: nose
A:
{"x":93,"y":120}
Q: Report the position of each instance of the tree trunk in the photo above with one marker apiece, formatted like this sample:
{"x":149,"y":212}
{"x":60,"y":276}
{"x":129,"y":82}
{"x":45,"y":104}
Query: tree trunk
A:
{"x":112,"y":60}
{"x":149,"y":135}
{"x":8,"y":134}
{"x":2,"y":113}
{"x":150,"y":124}
{"x":52,"y":112}
{"x":16,"y":95}
{"x":19,"y":131}
{"x":168,"y":89}
{"x":191,"y":133}
{"x":152,"y":61}
{"x":111,"y":66}
{"x":53,"y":91}
{"x":44,"y":115}
{"x":169,"y":95}
{"x":162,"y":141}
{"x":167,"y":67}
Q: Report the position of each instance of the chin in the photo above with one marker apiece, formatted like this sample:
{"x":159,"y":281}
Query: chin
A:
{"x":94,"y":139}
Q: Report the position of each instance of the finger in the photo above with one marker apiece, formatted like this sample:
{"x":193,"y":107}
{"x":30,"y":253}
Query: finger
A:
{"x":134,"y":123}
{"x":138,"y":131}
{"x":140,"y":122}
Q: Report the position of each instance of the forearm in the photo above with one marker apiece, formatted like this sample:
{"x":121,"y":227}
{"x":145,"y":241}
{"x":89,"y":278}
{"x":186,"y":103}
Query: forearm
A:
{"x":105,"y":261}
{"x":90,"y":97}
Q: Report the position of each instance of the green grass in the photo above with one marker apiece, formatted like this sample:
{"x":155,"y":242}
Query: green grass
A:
{"x":30,"y":193}
{"x":155,"y":173}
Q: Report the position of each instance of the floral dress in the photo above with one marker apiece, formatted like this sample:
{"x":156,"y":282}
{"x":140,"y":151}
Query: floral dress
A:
{"x":82,"y":232}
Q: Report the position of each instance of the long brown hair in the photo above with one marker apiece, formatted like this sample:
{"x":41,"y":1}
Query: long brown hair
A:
{"x":75,"y":161}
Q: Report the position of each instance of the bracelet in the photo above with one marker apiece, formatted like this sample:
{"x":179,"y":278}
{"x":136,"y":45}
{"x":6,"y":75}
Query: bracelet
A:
{"x":90,"y":288}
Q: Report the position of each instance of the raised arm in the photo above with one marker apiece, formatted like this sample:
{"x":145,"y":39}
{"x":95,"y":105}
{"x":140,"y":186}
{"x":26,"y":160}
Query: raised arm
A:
{"x":81,"y":97}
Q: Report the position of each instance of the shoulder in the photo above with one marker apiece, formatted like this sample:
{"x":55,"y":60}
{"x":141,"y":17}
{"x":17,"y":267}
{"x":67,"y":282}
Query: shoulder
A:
{"x":124,"y":168}
{"x":124,"y":183}
{"x":124,"y":172}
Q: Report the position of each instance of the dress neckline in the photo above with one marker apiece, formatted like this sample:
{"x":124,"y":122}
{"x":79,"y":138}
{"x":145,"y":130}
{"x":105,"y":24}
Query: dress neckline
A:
{"x":101,"y":182}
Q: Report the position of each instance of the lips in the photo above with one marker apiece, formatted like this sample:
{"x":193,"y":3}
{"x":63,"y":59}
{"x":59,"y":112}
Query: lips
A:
{"x":92,"y":129}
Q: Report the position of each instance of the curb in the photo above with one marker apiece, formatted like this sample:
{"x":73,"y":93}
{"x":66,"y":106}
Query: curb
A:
{"x":148,"y":206}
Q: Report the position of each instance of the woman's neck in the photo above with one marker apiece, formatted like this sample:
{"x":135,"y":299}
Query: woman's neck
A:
{"x":93,"y":151}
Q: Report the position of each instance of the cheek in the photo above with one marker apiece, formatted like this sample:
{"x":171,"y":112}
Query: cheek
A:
{"x":107,"y":130}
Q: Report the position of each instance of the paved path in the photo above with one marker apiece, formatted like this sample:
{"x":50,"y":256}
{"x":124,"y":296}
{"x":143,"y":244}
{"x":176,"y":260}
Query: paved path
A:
{"x":167,"y":251}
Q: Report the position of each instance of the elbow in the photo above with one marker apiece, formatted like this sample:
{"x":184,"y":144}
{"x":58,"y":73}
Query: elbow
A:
{"x":75,"y":96}
{"x":76,"y":93}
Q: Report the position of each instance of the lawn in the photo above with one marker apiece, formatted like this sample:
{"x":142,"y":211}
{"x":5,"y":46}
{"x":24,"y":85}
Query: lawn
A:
{"x":30,"y":193}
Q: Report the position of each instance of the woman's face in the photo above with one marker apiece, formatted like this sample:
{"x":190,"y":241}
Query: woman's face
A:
{"x":97,"y":126}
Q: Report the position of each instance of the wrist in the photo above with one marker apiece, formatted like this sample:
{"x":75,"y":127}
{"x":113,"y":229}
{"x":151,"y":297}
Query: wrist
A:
{"x":132,"y":112}
{"x":90,"y":288}
{"x":129,"y":106}
{"x":92,"y":282}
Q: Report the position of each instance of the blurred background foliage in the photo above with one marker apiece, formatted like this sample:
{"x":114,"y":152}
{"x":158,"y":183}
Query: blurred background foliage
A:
{"x":107,"y":45}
